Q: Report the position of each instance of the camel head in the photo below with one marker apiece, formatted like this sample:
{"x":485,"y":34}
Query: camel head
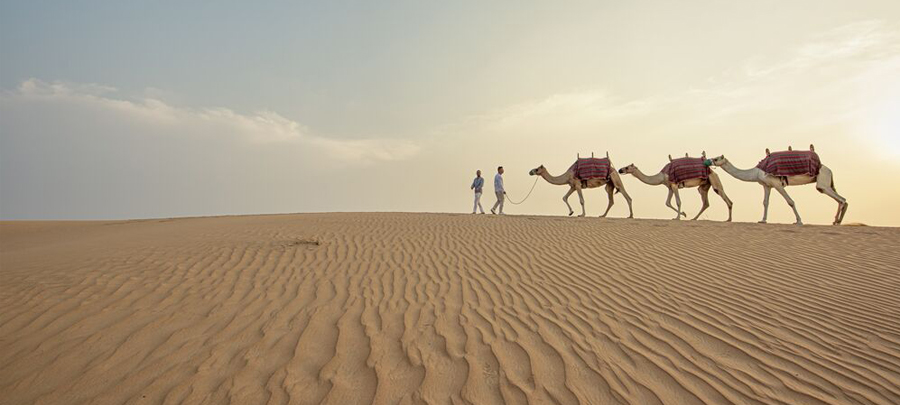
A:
{"x":537,"y":171}
{"x":718,"y":161}
{"x":628,"y":169}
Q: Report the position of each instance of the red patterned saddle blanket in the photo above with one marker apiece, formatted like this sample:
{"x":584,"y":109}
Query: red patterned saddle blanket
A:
{"x":591,"y":168}
{"x":791,"y":163}
{"x":686,"y":168}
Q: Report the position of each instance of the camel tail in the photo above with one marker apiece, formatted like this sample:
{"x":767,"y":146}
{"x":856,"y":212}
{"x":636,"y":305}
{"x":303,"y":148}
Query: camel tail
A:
{"x":833,"y":188}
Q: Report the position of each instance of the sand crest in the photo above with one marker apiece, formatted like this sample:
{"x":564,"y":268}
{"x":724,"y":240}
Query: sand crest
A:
{"x":447,"y":309}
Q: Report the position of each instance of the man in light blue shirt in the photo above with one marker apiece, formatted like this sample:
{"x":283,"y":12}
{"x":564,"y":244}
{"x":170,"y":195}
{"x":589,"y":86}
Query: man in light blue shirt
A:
{"x":477,"y":185}
{"x":498,"y":189}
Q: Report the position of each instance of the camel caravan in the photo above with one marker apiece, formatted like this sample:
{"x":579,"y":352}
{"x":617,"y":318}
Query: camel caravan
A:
{"x":777,"y":170}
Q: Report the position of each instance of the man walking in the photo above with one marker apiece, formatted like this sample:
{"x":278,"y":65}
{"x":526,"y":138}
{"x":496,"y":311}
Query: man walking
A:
{"x":498,"y":189}
{"x":477,"y":185}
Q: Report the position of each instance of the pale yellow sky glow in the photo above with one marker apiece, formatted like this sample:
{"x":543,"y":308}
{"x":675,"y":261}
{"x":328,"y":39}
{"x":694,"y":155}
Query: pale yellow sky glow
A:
{"x":396,"y":111}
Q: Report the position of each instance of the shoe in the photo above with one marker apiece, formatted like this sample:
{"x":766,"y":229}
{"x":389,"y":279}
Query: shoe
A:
{"x":493,"y":212}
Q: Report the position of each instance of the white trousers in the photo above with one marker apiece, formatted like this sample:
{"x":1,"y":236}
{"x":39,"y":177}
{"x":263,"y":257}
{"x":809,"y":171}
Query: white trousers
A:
{"x":499,"y":203}
{"x":478,"y":203}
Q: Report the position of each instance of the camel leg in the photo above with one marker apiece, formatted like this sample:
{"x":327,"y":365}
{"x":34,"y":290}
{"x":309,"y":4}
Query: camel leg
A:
{"x":669,"y":201}
{"x":766,"y":191}
{"x":717,"y":186}
{"x":566,"y":199}
{"x":617,"y":182}
{"x":842,"y":204}
{"x":610,"y":190}
{"x":581,"y":199}
{"x":825,"y":183}
{"x":704,"y":196}
{"x":790,"y":202}
{"x":678,"y":212}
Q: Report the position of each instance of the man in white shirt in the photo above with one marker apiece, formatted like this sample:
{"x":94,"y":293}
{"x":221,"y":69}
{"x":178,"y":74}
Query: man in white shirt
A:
{"x":498,"y":189}
{"x":477,"y":185}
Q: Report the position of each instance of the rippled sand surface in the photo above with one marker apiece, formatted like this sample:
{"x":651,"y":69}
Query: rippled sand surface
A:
{"x":447,"y":309}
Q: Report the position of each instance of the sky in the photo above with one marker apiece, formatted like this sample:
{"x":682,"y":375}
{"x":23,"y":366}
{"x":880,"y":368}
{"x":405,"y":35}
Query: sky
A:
{"x":115,"y":110}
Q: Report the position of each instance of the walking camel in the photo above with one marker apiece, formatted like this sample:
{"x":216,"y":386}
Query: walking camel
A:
{"x":608,"y":177}
{"x":703,"y":185}
{"x":779,"y":170}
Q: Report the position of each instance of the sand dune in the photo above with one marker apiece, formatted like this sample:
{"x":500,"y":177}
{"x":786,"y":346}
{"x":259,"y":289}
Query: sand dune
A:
{"x":447,"y":309}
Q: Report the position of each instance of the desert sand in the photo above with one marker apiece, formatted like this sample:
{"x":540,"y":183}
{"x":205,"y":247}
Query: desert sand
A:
{"x":447,"y":309}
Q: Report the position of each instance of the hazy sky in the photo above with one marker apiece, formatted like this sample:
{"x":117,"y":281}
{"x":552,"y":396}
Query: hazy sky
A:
{"x":128,"y":110}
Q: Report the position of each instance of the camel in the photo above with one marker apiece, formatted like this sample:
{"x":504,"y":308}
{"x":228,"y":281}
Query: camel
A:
{"x":703,"y":186}
{"x":824,"y":184}
{"x":613,"y":184}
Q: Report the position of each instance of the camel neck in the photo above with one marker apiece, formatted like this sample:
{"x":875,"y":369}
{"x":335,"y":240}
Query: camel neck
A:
{"x":558,"y":180}
{"x":653,"y":180}
{"x":740,"y":174}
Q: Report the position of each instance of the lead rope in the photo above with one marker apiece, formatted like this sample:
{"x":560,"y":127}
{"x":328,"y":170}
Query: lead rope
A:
{"x":526,"y":196}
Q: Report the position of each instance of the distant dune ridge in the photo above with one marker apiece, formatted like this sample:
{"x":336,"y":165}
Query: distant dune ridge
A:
{"x":391,"y":308}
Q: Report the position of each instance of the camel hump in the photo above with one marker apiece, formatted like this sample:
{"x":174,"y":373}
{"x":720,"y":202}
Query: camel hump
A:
{"x":607,"y":154}
{"x":790,"y":148}
{"x":703,"y":154}
{"x":670,"y":158}
{"x":767,"y":152}
{"x":685,"y":154}
{"x":812,"y":148}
